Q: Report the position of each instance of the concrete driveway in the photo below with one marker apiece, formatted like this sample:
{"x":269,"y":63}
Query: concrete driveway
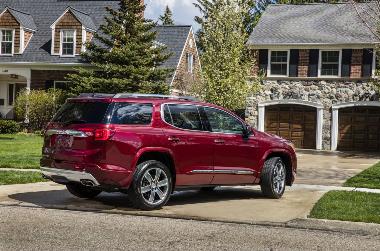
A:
{"x":231,"y":204}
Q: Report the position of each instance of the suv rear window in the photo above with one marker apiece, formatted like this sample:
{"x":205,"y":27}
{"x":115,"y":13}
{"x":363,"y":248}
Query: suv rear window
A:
{"x":82,"y":113}
{"x":132,"y":114}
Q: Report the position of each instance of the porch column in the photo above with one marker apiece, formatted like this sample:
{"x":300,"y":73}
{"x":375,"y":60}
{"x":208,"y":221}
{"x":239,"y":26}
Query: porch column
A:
{"x":28,"y":83}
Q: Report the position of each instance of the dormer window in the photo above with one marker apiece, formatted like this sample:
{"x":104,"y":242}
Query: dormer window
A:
{"x":6,"y":42}
{"x":70,"y":33}
{"x":68,"y":38}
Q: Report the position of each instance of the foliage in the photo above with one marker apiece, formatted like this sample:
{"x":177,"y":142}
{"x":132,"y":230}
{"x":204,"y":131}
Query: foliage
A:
{"x":9,"y":127}
{"x":225,"y":65}
{"x":124,"y":55}
{"x":369,"y":178}
{"x":20,"y":177}
{"x":167,"y":17}
{"x":40,"y":105}
{"x":20,"y":151}
{"x":348,"y":206}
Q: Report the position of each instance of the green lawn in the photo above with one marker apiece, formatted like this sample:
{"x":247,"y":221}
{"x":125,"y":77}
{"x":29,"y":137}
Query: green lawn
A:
{"x":348,"y":206}
{"x":369,"y":178}
{"x":22,"y":151}
{"x":20,"y":177}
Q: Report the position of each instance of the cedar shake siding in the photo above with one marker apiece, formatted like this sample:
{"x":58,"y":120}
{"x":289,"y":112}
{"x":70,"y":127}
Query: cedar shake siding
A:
{"x":183,"y":77}
{"x":44,"y":79}
{"x":68,"y":22}
{"x":27,"y":36}
{"x":7,"y":21}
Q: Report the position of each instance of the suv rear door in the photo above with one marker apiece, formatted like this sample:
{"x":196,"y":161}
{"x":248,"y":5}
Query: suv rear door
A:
{"x":191,"y":144}
{"x":235,"y":157}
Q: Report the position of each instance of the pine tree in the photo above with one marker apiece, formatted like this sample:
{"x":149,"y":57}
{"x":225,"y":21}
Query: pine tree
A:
{"x":123,"y":55}
{"x":167,"y":17}
{"x":225,"y":67}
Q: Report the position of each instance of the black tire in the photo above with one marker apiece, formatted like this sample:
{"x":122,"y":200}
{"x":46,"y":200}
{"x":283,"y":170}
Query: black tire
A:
{"x":140,"y":197}
{"x":81,"y":191}
{"x":271,"y":178}
{"x":207,"y":189}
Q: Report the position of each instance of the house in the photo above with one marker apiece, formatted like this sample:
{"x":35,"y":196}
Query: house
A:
{"x":41,"y":42}
{"x":318,"y":61}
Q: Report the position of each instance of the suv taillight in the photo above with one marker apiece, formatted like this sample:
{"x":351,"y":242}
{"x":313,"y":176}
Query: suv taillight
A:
{"x":103,"y":134}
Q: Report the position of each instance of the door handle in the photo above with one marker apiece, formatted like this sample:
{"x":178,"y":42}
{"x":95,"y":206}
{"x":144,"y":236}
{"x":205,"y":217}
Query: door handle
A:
{"x":219,"y":141}
{"x":174,"y":139}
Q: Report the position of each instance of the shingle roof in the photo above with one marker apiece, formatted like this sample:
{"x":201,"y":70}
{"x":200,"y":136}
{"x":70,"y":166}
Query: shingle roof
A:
{"x":174,"y":37}
{"x":25,"y":19}
{"x":84,"y":19}
{"x":46,"y":12}
{"x":312,"y":24}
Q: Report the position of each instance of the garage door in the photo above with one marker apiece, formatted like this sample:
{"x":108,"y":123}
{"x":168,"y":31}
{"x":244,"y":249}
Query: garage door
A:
{"x":359,"y":129}
{"x":293,"y":122}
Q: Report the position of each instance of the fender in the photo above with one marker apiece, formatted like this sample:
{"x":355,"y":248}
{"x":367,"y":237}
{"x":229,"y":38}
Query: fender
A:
{"x":141,"y":151}
{"x":274,"y":150}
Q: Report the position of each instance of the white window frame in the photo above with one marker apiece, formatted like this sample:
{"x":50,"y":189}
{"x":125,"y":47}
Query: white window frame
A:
{"x":13,"y":41}
{"x":61,"y":42}
{"x":269,"y":72}
{"x":59,"y":81}
{"x":190,"y":63}
{"x":320,"y":64}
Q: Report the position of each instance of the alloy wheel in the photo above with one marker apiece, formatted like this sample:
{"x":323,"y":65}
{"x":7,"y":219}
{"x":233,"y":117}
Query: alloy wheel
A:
{"x":279,"y":177}
{"x":154,"y":186}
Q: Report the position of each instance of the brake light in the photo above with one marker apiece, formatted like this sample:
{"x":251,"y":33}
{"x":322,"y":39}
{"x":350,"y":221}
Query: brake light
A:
{"x":103,"y":134}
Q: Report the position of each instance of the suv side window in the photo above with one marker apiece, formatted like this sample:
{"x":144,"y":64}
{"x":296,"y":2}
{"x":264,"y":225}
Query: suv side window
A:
{"x":221,"y":121}
{"x":132,"y":114}
{"x":183,"y":116}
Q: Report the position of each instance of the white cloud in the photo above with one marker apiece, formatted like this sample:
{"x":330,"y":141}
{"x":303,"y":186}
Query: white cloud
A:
{"x":183,"y":10}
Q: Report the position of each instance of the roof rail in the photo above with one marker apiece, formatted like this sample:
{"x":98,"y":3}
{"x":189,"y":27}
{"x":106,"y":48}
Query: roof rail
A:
{"x":96,"y":95}
{"x":157,"y":96}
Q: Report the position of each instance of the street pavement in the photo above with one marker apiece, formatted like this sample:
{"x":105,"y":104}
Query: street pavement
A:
{"x":44,"y":216}
{"x":47,"y":229}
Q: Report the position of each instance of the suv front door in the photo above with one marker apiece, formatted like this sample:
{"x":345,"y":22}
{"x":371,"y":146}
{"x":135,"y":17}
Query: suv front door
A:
{"x":235,"y":156}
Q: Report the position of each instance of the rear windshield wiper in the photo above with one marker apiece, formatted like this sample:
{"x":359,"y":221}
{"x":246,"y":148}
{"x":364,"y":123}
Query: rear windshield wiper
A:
{"x":75,"y":121}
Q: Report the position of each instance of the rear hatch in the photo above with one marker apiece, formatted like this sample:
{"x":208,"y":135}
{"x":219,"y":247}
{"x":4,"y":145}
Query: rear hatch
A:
{"x":78,"y":131}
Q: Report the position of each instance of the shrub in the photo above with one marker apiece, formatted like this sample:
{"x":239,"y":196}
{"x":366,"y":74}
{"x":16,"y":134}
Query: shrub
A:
{"x":9,"y":127}
{"x":40,"y":105}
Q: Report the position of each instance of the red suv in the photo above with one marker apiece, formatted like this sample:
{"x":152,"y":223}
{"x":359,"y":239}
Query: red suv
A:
{"x":149,"y":145}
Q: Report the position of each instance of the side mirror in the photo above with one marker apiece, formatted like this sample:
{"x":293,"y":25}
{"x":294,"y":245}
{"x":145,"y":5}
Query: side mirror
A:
{"x":246,"y":131}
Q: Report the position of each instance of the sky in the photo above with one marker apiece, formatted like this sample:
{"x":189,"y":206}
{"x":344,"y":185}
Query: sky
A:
{"x":183,"y":10}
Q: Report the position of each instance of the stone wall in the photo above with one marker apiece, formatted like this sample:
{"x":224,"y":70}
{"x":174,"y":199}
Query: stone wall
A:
{"x":326,"y":93}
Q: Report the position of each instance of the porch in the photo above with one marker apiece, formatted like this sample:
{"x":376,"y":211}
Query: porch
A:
{"x":12,"y":81}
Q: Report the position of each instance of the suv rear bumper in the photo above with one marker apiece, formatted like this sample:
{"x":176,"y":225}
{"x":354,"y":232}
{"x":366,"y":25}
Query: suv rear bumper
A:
{"x":65,"y":176}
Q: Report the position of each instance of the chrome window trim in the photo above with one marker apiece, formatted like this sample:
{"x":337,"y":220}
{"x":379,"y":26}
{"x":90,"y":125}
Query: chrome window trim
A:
{"x":220,"y":171}
{"x":197,"y":105}
{"x":74,"y":133}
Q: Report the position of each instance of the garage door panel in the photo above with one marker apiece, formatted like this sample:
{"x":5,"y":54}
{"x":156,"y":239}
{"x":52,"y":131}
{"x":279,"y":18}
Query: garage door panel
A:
{"x":359,"y":129}
{"x":293,"y":122}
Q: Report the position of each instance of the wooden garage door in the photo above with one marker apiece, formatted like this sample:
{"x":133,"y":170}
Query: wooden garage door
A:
{"x":359,"y":129}
{"x":293,"y":122}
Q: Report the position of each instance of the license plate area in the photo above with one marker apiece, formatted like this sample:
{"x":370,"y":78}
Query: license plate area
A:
{"x":63,"y":141}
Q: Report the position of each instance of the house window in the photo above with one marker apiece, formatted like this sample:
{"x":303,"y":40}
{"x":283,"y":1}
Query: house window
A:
{"x":190,"y":63}
{"x":61,"y":85}
{"x":279,"y":63}
{"x":330,"y":63}
{"x":68,"y":42}
{"x":6,"y":44}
